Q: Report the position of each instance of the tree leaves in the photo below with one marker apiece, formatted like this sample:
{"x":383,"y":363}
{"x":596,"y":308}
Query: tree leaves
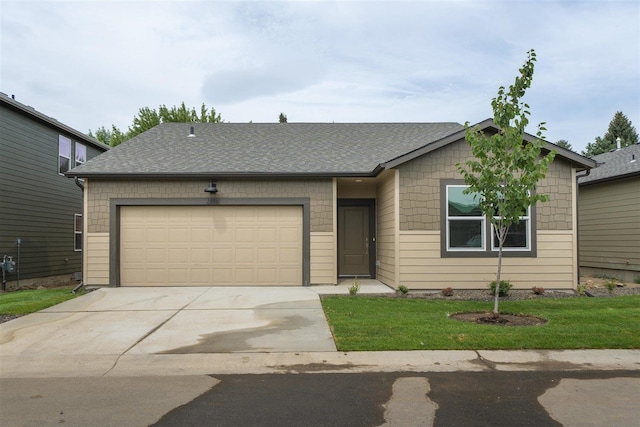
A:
{"x":505,"y":167}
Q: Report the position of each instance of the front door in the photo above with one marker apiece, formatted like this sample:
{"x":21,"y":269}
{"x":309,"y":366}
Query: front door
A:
{"x":355,"y":240}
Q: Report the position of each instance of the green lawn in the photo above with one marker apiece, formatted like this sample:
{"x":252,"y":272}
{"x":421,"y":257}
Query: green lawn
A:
{"x":29,"y":301}
{"x":374,"y":323}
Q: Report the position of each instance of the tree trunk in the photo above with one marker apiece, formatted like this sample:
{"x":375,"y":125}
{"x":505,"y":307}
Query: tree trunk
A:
{"x":496,"y":313}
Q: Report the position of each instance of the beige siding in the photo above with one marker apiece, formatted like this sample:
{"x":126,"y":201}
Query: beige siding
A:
{"x":421,"y":266}
{"x":610,"y":225}
{"x":387,"y":229}
{"x":323,"y":257}
{"x":97,"y":264}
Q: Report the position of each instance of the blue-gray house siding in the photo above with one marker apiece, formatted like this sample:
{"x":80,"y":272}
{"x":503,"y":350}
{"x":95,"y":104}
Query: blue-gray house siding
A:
{"x":37,"y":204}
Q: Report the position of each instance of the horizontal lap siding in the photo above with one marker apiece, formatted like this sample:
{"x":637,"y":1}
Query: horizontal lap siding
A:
{"x":97,"y":259}
{"x":386,"y":231}
{"x":323,"y":256}
{"x":422,"y":268}
{"x":610,"y":225}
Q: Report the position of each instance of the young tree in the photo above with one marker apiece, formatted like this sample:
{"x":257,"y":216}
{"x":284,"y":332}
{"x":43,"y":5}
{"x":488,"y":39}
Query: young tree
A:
{"x":148,"y":118}
{"x":619,"y":127}
{"x":506,"y":169}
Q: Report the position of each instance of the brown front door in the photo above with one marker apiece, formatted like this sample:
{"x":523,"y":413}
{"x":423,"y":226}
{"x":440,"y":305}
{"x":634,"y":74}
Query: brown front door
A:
{"x":354,"y":241}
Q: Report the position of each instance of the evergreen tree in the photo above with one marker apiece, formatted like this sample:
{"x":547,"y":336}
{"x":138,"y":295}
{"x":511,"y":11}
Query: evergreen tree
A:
{"x":620,"y":127}
{"x":564,"y":144}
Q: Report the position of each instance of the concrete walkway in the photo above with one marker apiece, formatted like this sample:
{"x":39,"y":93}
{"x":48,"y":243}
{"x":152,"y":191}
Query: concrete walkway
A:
{"x":225,"y":330}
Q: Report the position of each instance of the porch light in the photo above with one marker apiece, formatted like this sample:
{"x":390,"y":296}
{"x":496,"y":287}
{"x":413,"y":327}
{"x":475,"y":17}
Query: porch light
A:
{"x":212,"y":188}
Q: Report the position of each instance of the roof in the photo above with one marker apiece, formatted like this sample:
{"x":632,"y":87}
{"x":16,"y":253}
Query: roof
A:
{"x":31,"y":112}
{"x":263,"y":149}
{"x":617,"y":164}
{"x":278,"y":149}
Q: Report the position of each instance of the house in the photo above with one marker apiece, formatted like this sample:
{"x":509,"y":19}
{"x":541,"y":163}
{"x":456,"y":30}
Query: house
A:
{"x":308,"y":203}
{"x":40,"y":209}
{"x":609,"y":211}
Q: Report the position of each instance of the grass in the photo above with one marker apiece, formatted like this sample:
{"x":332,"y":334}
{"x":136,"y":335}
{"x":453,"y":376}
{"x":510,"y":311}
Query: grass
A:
{"x":29,"y":301}
{"x":375,"y":324}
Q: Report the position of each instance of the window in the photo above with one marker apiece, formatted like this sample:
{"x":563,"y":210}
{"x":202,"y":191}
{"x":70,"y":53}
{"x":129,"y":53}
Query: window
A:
{"x":81,"y":154}
{"x":465,"y":222}
{"x":64,"y":154}
{"x":77,"y":232}
{"x":469,"y":233}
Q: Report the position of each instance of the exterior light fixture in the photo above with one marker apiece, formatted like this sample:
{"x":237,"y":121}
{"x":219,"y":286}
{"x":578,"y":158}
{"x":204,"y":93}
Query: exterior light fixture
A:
{"x":212,"y":188}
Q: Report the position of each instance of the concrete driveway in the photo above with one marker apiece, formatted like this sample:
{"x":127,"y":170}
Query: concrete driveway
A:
{"x":111,"y":322}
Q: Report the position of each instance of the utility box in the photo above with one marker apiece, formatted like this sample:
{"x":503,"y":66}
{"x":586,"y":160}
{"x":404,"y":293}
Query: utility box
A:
{"x":8,"y":264}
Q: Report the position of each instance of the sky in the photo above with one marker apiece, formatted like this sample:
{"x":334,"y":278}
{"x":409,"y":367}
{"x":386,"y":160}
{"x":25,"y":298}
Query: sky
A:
{"x":90,"y":64}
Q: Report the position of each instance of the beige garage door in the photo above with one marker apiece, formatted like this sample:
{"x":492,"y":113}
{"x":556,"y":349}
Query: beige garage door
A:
{"x":210,"y":245}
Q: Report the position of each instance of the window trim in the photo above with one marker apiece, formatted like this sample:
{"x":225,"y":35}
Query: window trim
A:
{"x":489,"y":251}
{"x":75,"y":154}
{"x":63,"y":155}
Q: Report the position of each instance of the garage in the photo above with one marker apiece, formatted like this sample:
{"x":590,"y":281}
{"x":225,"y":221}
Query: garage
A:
{"x":211,"y":245}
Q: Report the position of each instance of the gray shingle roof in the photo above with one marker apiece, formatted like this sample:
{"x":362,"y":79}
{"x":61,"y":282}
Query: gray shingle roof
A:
{"x":614,"y":165}
{"x":253,"y":149}
{"x":31,"y":112}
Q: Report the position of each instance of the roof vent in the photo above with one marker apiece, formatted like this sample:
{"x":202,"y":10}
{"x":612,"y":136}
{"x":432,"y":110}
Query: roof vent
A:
{"x":192,"y":132}
{"x":618,"y":147}
{"x":633,"y":158}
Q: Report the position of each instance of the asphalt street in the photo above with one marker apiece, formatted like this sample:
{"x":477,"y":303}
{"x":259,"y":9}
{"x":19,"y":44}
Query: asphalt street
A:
{"x":523,"y":398}
{"x":434,"y":399}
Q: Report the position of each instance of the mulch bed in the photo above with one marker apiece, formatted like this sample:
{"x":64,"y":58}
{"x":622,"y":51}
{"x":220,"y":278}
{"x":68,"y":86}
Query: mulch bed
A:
{"x":505,"y":319}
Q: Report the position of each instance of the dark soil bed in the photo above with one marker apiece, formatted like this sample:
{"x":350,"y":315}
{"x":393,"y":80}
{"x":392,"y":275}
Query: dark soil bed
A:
{"x":486,"y":318}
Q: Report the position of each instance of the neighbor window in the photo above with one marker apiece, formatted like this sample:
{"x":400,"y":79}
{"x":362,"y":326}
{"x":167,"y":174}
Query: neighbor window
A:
{"x":64,"y":154}
{"x":77,"y":232}
{"x":81,"y":154}
{"x":468,"y":231}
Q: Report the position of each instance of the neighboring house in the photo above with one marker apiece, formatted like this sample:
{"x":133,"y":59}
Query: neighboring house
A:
{"x":308,"y":203}
{"x":40,"y":209}
{"x":609,"y":210}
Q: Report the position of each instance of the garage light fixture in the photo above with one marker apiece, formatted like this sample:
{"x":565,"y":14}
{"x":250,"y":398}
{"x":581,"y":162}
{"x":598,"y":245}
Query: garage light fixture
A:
{"x":212,"y":188}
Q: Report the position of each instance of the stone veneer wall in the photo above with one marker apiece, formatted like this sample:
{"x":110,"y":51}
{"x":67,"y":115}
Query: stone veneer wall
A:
{"x":420,"y":190}
{"x":99,"y":193}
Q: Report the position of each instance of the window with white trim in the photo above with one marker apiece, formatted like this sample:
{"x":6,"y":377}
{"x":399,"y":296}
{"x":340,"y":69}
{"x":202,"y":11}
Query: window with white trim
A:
{"x":468,"y":231}
{"x":77,"y":232}
{"x":64,"y":154}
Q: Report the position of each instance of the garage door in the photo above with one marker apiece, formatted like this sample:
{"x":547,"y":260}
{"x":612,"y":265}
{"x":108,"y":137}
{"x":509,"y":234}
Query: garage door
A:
{"x":210,"y":245}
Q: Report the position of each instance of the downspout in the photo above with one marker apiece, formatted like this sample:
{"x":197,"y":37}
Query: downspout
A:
{"x":77,"y":288}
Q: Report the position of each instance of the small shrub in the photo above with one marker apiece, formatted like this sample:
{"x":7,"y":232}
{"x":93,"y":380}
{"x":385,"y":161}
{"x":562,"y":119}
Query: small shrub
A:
{"x":403,"y":289}
{"x":581,"y":289}
{"x":447,"y":292}
{"x":538,"y":290}
{"x":611,"y":284}
{"x":355,"y":287}
{"x":505,"y":287}
{"x":637,"y":279}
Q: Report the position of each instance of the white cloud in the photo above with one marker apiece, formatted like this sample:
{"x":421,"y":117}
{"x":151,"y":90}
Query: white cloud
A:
{"x":95,"y":63}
